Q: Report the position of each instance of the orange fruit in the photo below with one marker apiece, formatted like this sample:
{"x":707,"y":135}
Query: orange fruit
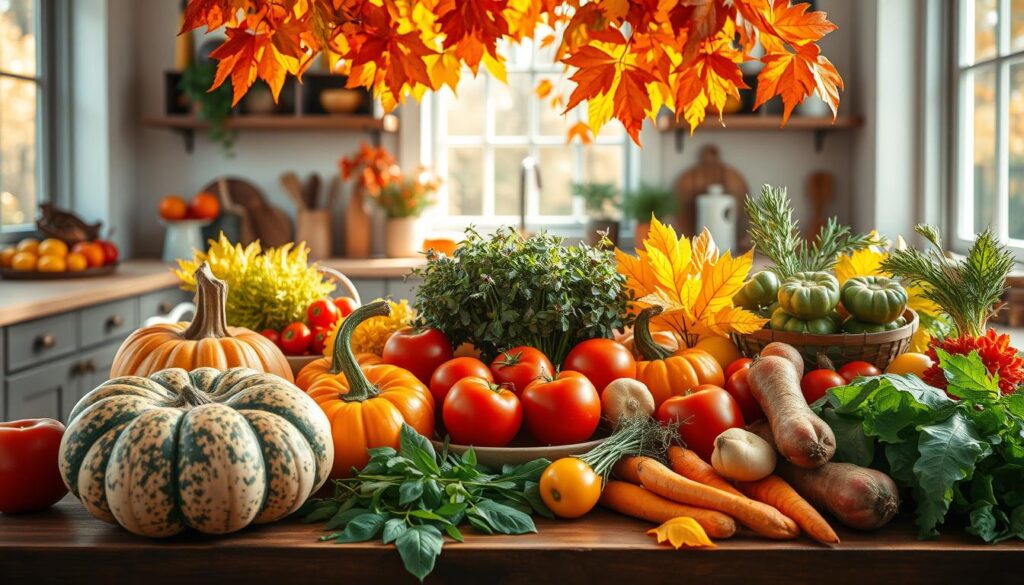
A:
{"x":173,"y":208}
{"x":92,"y":251}
{"x":51,"y":264}
{"x":204,"y":206}
{"x":29,"y":245}
{"x":721,"y":348}
{"x":24,"y":261}
{"x":76,"y":262}
{"x":53,"y":247}
{"x":6,"y":255}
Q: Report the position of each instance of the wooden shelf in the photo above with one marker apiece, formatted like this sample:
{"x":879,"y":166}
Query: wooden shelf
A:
{"x":820,"y":127}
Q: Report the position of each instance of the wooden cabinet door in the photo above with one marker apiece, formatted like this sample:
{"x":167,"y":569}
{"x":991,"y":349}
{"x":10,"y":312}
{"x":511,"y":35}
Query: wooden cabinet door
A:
{"x":43,"y":392}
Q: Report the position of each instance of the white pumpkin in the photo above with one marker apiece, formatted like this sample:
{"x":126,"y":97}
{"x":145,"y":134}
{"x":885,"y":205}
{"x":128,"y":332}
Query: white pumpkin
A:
{"x":210,"y":450}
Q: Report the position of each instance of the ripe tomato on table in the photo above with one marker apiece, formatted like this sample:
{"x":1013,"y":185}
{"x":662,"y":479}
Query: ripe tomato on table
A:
{"x":346,"y":305}
{"x":854,"y":370}
{"x":520,"y":366}
{"x":29,"y":470}
{"x":478,"y":412}
{"x":702,"y":414}
{"x":322,"y":313}
{"x":296,"y":338}
{"x":601,"y":361}
{"x":737,"y":365}
{"x":453,"y":370}
{"x":561,"y":410}
{"x":419,"y":350}
{"x":738,"y":386}
{"x":816,"y":382}
{"x":569,"y":487}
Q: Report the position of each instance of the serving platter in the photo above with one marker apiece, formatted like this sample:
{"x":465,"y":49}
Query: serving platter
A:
{"x":10,"y":274}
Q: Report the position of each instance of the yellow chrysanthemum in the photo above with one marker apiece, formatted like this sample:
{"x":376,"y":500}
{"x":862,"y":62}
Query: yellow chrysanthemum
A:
{"x":372,"y":334}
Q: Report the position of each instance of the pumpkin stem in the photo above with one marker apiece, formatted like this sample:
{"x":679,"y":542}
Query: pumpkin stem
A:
{"x":211,"y":295}
{"x":642,"y":340}
{"x":343,"y":359}
{"x":189,"y":397}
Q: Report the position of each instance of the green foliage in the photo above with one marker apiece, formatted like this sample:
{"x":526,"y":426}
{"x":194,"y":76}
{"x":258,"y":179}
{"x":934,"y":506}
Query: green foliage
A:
{"x":650,"y":201}
{"x":505,"y":290}
{"x":962,"y":454}
{"x":415,"y":496}
{"x":406,"y":197}
{"x":776,"y":234}
{"x":598,"y":198}
{"x":968,"y":290}
{"x":212,"y":107}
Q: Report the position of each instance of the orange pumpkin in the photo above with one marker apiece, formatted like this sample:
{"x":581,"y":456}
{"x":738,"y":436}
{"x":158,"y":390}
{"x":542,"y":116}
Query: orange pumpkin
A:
{"x":367,"y":404}
{"x":667,"y":373}
{"x":665,"y":339}
{"x":205,"y":342}
{"x":325,"y":366}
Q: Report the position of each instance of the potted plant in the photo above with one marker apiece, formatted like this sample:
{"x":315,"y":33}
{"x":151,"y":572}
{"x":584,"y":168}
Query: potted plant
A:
{"x":649,"y":202}
{"x":403,"y":200}
{"x":210,"y":106}
{"x":599,"y":200}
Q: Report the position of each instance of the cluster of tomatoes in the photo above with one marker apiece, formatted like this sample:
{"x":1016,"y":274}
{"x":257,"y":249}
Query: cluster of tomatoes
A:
{"x":308,"y":337}
{"x":202,"y":206}
{"x":53,"y":255}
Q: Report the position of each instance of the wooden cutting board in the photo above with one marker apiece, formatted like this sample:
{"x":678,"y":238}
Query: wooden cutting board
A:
{"x":270,"y":224}
{"x":710,"y":170}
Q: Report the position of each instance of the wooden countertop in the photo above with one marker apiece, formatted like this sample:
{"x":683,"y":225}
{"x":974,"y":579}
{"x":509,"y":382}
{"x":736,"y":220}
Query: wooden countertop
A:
{"x":66,"y":544}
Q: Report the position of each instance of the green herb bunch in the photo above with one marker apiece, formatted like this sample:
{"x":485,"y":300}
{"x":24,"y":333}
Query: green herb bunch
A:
{"x":962,"y":452}
{"x":414,"y":497}
{"x":598,"y":198}
{"x":649,"y":201}
{"x":776,"y":234}
{"x":506,"y":290}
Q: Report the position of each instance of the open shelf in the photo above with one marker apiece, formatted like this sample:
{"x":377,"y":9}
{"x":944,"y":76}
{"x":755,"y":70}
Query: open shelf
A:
{"x":819,"y":126}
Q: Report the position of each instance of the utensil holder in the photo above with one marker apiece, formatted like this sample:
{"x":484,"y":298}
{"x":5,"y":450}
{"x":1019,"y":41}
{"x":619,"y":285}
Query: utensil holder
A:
{"x":314,"y":227}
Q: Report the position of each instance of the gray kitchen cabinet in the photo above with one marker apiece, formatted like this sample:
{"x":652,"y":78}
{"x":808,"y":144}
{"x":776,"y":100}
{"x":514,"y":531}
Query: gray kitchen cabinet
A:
{"x":43,"y":392}
{"x":94,"y":368}
{"x":369,"y":288}
{"x":403,"y":289}
{"x":389,"y":288}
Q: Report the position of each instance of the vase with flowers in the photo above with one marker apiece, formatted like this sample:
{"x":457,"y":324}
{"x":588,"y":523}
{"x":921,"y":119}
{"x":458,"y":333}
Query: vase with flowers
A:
{"x":403,"y":200}
{"x":372,"y":168}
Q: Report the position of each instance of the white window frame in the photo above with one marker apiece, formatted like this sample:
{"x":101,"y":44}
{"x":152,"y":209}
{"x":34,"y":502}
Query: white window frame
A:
{"x":961,"y":223}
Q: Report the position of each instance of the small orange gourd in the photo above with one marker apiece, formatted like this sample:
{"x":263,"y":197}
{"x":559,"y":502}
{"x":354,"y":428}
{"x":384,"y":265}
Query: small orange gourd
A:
{"x":205,"y":342}
{"x":367,"y":404}
{"x":668,"y":373}
{"x":325,"y":366}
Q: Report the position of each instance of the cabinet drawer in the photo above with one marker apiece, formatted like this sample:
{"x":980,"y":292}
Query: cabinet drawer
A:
{"x":159,"y":303}
{"x":37,"y":341}
{"x":108,"y":321}
{"x":44,"y":392}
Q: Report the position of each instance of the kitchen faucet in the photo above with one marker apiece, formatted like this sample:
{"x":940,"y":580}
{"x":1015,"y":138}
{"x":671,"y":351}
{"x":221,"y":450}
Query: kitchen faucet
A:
{"x":528,"y":165}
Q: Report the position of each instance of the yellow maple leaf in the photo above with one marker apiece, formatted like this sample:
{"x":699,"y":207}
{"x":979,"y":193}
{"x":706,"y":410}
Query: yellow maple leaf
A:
{"x":637,"y":271}
{"x":731,"y":319}
{"x":720,"y":281}
{"x":682,"y":532}
{"x":866,"y":262}
{"x":705,"y":251}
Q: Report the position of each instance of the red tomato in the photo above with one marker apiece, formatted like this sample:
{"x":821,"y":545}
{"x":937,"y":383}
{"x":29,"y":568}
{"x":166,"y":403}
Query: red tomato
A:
{"x":316,"y":344}
{"x":421,"y":351}
{"x":703,"y":414}
{"x":816,"y":382}
{"x":477,"y":412}
{"x":322,"y":313}
{"x":110,"y":251}
{"x":562,"y":410}
{"x":739,"y":388}
{"x":29,"y":471}
{"x":857,"y":369}
{"x":453,"y":370}
{"x":272,"y":335}
{"x":601,"y":361}
{"x":296,"y":339}
{"x":346,"y":305}
{"x":520,"y":366}
{"x":737,"y":365}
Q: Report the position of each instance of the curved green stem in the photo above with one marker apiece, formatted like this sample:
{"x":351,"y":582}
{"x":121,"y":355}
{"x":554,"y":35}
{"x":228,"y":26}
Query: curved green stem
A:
{"x":343,"y":360}
{"x":642,"y":339}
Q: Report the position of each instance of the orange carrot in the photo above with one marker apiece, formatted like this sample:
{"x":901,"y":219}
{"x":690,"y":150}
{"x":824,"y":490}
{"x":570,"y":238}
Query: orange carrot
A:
{"x":633,"y":500}
{"x":774,"y":491}
{"x":689,"y":465}
{"x":653,"y":475}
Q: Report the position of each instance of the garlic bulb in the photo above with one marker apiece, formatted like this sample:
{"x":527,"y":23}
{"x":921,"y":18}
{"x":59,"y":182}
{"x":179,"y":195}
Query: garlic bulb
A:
{"x":742,"y":456}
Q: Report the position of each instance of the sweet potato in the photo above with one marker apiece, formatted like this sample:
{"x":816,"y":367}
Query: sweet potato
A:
{"x":800,"y":436}
{"x":787,"y":351}
{"x":860,"y":498}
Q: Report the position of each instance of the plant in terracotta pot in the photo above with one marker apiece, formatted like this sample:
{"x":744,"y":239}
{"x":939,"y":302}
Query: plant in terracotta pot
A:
{"x":649,"y":202}
{"x":403,"y":201}
{"x":600,"y":201}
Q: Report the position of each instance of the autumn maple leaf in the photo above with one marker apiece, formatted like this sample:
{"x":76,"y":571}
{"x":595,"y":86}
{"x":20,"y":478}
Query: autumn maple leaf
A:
{"x":794,"y":76}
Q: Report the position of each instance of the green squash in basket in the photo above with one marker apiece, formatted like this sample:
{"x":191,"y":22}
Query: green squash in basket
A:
{"x":760,"y":291}
{"x":783,"y":321}
{"x":809,"y":295}
{"x":874,"y":299}
{"x":855,"y":325}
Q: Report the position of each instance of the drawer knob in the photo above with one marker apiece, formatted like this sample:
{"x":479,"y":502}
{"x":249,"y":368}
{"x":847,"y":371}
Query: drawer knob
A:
{"x":46,"y":341}
{"x":164,"y":307}
{"x":115,"y":321}
{"x":86,"y":367}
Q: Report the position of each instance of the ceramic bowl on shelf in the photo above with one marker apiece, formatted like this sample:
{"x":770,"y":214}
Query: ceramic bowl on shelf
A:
{"x":341,"y":101}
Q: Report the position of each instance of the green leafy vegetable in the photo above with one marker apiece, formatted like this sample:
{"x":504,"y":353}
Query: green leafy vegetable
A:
{"x":963,"y":456}
{"x":414,"y":496}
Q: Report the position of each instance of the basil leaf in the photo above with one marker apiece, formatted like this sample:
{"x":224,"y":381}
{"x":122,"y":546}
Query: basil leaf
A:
{"x":417,"y":448}
{"x":410,"y":491}
{"x":321,"y":513}
{"x":346,"y":512}
{"x":504,"y":519}
{"x":362,"y":528}
{"x":453,"y":532}
{"x":393,"y":529}
{"x":428,"y":515}
{"x":967,"y":376}
{"x":419,"y":547}
{"x":531,"y":491}
{"x":469,"y":457}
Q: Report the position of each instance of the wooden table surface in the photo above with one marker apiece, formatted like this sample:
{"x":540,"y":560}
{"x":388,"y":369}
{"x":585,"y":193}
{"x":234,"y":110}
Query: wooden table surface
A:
{"x":65,"y":544}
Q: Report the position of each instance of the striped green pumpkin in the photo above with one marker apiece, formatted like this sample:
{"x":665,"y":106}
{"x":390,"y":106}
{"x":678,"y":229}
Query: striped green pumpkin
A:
{"x":206,"y":449}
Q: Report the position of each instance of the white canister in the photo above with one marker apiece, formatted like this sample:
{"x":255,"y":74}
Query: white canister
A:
{"x":717,"y":212}
{"x":182,"y":239}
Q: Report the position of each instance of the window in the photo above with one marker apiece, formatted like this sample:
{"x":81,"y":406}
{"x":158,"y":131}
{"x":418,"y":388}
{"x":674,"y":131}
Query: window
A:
{"x":989,"y":75}
{"x":477,"y":143}
{"x":22,"y":89}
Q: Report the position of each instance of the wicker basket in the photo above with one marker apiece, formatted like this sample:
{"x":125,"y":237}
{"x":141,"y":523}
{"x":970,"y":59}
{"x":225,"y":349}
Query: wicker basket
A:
{"x":842,"y":348}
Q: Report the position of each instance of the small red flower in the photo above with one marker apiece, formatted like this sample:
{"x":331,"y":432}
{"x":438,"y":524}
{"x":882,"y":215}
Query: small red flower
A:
{"x":995,"y":352}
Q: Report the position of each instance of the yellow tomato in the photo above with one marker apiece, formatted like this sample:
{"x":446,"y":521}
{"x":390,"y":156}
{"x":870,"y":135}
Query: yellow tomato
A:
{"x":53,"y":247}
{"x":29,"y":245}
{"x":51,"y":264}
{"x":76,"y":262}
{"x":24,"y":261}
{"x":570,"y":487}
{"x":721,"y":348}
{"x":909,"y":363}
{"x":6,"y":255}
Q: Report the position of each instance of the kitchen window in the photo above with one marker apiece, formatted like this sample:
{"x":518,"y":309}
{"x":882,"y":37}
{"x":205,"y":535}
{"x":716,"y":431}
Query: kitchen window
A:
{"x":478,"y":143}
{"x":989,"y":75}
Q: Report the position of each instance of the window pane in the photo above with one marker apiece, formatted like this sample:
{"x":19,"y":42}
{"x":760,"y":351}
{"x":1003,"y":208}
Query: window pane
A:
{"x":465,"y":181}
{"x":982,"y":158}
{"x":465,"y":110}
{"x":557,"y":175}
{"x":17,"y":37}
{"x":17,"y":152}
{"x":1017,"y":25}
{"x":986,"y":24}
{"x":545,"y":56}
{"x":552,"y":122}
{"x":512,"y":105}
{"x":603,"y":164}
{"x":1016,"y":143}
{"x":507,"y":173}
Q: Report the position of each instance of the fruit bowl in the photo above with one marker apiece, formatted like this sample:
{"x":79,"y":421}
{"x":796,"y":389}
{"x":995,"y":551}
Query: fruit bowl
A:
{"x":11,"y":274}
{"x":297,"y":362}
{"x":523,"y":449}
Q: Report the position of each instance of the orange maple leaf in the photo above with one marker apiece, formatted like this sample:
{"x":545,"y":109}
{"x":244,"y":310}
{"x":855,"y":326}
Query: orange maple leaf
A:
{"x":579,"y":130}
{"x":794,"y":76}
